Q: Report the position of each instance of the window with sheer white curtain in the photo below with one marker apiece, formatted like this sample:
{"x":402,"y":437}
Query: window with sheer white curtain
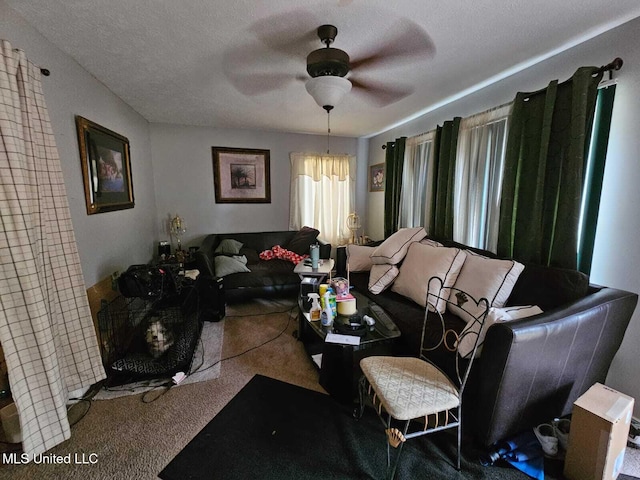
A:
{"x":417,"y":181}
{"x":322,"y":194}
{"x":482,"y":140}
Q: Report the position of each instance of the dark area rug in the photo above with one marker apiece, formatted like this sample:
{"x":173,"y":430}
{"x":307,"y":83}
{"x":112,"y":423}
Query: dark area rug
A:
{"x":276,"y":431}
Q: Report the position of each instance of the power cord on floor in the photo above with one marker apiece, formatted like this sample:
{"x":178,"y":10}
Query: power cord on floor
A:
{"x":289,"y":316}
{"x":147,"y":396}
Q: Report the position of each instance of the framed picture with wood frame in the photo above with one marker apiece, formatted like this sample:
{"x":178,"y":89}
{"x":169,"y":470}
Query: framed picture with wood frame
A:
{"x":241,"y":175}
{"x":376,"y":177}
{"x":106,"y":168}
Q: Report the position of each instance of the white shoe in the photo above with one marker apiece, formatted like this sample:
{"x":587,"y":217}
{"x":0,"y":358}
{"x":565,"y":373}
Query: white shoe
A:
{"x":561,"y":428}
{"x":546,"y":436}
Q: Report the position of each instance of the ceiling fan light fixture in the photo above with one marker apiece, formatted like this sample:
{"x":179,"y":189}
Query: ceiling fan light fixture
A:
{"x":327,"y":90}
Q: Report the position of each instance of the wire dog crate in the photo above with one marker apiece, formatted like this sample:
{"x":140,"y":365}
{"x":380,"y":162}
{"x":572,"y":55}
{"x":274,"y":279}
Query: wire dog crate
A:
{"x":148,"y":338}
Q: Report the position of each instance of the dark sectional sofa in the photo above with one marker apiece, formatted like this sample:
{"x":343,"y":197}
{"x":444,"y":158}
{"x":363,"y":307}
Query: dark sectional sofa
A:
{"x":533,"y":369}
{"x":266,"y":277}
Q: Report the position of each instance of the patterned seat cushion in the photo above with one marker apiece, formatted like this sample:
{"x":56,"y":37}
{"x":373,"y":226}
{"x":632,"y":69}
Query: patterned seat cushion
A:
{"x":409,"y":387}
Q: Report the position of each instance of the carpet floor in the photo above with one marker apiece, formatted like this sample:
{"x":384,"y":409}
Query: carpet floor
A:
{"x":274,"y":430}
{"x":136,"y":440}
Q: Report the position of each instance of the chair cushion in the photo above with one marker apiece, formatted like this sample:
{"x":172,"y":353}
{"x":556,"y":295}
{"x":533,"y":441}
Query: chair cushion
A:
{"x":409,"y":387}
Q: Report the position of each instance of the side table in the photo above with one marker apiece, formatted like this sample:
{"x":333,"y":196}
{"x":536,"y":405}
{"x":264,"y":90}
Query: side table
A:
{"x":323,"y":270}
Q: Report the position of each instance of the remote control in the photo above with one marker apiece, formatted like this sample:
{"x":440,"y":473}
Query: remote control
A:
{"x":383,"y":318}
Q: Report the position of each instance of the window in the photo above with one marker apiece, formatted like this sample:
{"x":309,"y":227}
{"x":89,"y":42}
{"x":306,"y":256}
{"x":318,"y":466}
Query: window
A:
{"x":417,"y":181}
{"x":478,"y":177}
{"x":322,"y":194}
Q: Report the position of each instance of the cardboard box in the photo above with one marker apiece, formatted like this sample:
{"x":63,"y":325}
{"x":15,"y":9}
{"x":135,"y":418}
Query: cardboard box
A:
{"x":598,"y":437}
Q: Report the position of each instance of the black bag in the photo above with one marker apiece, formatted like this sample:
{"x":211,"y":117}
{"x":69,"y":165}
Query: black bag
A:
{"x":144,"y":281}
{"x":212,"y":298}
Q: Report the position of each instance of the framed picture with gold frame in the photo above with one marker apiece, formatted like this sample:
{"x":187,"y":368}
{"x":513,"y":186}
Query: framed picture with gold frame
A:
{"x":376,"y":177}
{"x":241,"y":175}
{"x":106,"y":167}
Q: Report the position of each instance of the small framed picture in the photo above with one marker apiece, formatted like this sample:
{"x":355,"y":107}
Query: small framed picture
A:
{"x":106,"y":168}
{"x":241,"y":175}
{"x":376,"y":177}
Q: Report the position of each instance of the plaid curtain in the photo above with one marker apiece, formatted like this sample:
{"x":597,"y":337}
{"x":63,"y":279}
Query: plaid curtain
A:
{"x":46,"y":329}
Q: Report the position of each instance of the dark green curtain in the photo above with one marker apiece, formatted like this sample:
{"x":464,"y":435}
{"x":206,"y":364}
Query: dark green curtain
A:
{"x":394,"y":162}
{"x":445,"y":145}
{"x":595,"y":175}
{"x":544,"y":171}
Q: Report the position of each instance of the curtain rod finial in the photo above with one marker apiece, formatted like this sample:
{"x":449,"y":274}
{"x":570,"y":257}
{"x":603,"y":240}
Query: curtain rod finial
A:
{"x":617,"y":63}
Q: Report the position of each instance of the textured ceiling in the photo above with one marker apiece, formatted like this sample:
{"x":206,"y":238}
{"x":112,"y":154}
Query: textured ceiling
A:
{"x":241,"y":64}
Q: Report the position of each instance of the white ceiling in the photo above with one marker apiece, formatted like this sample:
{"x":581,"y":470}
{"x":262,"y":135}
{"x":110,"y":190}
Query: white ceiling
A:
{"x":239,"y":63}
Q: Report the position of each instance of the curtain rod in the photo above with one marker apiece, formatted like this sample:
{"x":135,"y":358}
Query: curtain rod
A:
{"x":615,"y":65}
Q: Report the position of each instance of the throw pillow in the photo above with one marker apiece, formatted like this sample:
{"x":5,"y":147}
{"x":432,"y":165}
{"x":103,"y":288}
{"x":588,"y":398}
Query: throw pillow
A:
{"x":228,"y":265}
{"x":359,"y":258}
{"x":228,"y":245}
{"x":302,"y":239}
{"x":381,"y":277}
{"x":428,"y":241}
{"x":483,"y":277}
{"x":394,"y":248}
{"x":495,"y":315}
{"x":423,"y":262}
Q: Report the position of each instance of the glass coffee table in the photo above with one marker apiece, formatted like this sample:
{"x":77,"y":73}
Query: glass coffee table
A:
{"x":339,"y":363}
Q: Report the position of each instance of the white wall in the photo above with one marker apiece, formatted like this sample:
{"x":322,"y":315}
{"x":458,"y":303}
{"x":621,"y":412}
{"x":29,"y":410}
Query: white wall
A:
{"x":183,"y":172}
{"x":107,"y":241}
{"x":617,"y":251}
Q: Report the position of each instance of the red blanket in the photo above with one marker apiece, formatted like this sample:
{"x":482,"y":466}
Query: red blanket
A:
{"x":282,"y":253}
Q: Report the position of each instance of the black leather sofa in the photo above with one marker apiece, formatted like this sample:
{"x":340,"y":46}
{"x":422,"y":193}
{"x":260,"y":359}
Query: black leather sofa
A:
{"x":533,"y":369}
{"x":267,"y":277}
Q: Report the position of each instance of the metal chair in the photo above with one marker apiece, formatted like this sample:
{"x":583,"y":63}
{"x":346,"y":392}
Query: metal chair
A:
{"x":411,"y":395}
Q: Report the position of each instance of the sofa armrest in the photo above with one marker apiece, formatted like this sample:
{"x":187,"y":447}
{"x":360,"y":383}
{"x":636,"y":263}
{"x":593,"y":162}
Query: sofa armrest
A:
{"x":533,"y":369}
{"x":341,"y":261}
{"x":204,"y":264}
{"x":325,"y":249}
{"x":208,"y":244}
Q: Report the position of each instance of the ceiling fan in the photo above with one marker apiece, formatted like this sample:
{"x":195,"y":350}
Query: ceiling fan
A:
{"x":329,"y":66}
{"x":403,"y":41}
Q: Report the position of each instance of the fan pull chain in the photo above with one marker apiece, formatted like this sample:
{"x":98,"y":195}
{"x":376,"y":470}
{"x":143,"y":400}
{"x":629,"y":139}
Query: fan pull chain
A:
{"x":328,"y":128}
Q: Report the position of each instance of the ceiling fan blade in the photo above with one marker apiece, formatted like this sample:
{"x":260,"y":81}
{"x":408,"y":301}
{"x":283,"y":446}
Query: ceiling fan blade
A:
{"x":249,"y":69}
{"x":380,"y":94}
{"x":409,"y":43}
{"x":292,"y":33}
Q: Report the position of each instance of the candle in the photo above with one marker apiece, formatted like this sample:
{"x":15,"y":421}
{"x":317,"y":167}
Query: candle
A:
{"x":347,"y":307}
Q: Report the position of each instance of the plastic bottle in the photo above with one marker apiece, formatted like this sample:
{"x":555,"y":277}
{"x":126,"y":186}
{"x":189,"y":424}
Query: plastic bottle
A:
{"x":333,"y":303}
{"x":327,"y":313}
{"x":315,"y":311}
